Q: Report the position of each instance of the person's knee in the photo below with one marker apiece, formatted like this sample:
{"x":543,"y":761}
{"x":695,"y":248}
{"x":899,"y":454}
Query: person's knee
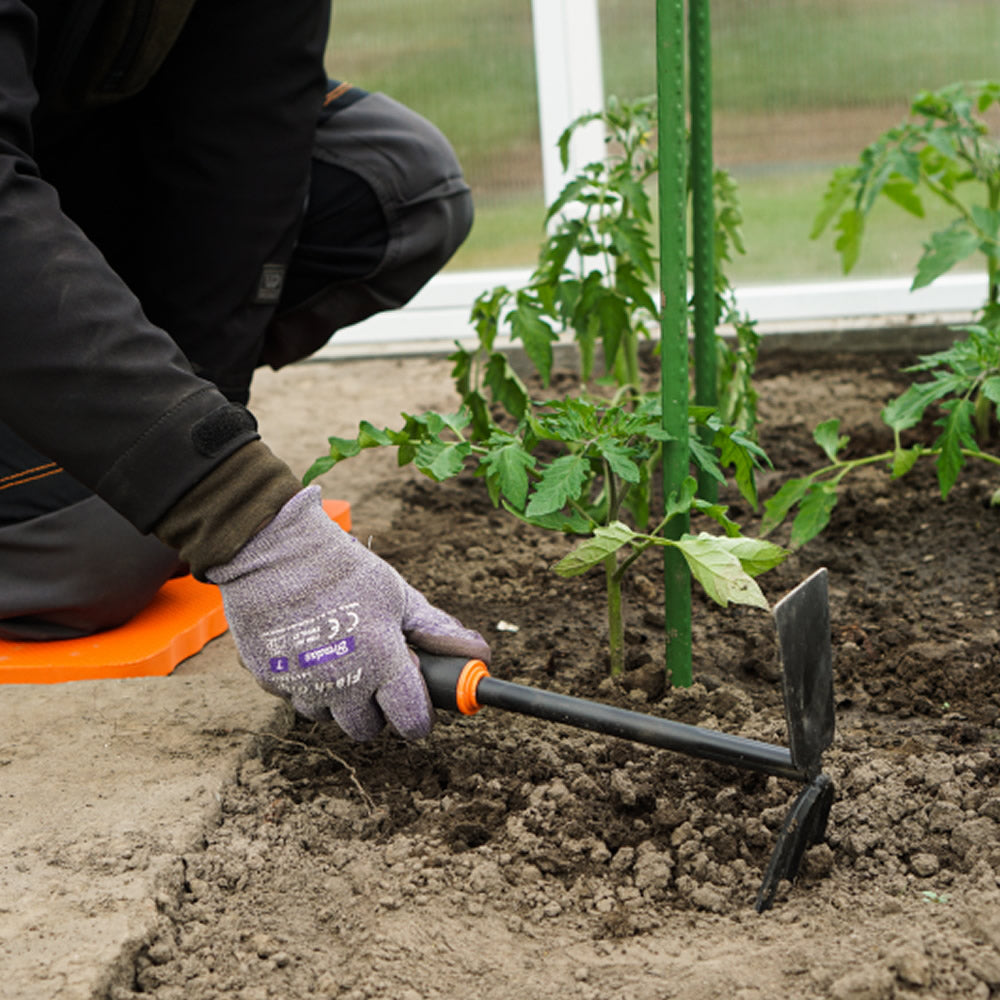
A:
{"x":355,"y":260}
{"x":456,"y":213}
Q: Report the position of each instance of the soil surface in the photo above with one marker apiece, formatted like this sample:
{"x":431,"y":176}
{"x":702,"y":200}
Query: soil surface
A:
{"x":504,"y":857}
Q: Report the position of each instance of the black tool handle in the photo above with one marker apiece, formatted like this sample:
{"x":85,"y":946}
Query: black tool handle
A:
{"x":444,"y":675}
{"x":441,"y":675}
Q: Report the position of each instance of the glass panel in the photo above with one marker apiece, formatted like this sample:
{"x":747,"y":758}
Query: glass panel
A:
{"x":802,"y":86}
{"x":468,"y":66}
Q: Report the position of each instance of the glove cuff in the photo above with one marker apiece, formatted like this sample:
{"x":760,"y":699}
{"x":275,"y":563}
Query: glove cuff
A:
{"x":299,"y":530}
{"x":216,"y":518}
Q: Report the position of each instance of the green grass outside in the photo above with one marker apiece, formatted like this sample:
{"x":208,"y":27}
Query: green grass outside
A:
{"x":779,"y":209}
{"x":507,"y":232}
{"x":468,"y":65}
{"x":800,"y":54}
{"x":471,"y":70}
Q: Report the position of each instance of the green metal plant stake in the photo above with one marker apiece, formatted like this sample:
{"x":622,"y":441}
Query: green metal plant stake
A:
{"x":673,"y":279}
{"x":706,"y":375}
{"x":674,"y":384}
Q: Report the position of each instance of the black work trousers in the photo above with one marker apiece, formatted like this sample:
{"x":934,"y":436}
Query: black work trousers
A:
{"x":387,"y":208}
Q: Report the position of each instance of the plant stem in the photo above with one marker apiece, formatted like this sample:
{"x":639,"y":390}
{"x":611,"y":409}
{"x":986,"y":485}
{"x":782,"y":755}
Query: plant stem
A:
{"x":992,"y":264}
{"x":616,"y":625}
{"x":843,"y":468}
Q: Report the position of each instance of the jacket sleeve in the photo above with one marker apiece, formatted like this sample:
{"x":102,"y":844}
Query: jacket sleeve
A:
{"x":85,"y":376}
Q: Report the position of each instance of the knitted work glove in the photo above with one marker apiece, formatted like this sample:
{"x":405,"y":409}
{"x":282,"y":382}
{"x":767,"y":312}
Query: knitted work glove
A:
{"x":320,"y":620}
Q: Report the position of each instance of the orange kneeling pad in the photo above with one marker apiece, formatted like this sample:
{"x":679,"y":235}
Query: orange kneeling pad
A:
{"x":178,"y":622}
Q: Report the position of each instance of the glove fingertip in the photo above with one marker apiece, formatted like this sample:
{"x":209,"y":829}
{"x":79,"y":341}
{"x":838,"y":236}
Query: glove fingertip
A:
{"x":311,"y":711}
{"x":417,"y":728}
{"x":360,"y":732}
{"x":360,"y":721}
{"x":407,"y":703}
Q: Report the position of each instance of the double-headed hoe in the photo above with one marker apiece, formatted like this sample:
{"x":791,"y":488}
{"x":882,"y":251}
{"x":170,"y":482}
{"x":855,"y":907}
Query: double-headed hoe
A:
{"x":802,"y":619}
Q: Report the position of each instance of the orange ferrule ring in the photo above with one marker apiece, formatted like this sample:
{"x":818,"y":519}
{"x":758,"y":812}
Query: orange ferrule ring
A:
{"x":468,"y":682}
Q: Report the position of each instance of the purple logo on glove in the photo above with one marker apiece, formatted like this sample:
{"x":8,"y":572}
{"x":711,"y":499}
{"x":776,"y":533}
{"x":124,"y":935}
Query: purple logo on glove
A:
{"x":324,"y":654}
{"x":278,"y":664}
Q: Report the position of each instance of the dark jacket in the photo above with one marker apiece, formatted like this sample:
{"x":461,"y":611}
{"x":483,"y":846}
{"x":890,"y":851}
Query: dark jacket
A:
{"x":154,"y":161}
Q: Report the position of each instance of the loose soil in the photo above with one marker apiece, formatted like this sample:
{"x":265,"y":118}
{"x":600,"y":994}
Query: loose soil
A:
{"x":504,"y":857}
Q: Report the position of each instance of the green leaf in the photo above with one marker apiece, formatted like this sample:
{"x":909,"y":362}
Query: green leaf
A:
{"x":851,"y":227}
{"x":318,"y":468}
{"x":906,"y":166}
{"x":605,"y":541}
{"x":479,"y":412}
{"x":630,"y":240}
{"x":957,"y":434}
{"x":826,"y":436}
{"x":719,"y":571}
{"x":612,"y":317}
{"x":718,"y":513}
{"x":442,"y":460}
{"x":680,"y":502}
{"x":705,"y":458}
{"x":903,"y":459}
{"x":507,"y":388}
{"x":814,"y":513}
{"x":527,"y":325}
{"x":436,"y":423}
{"x":777,"y":507}
{"x":743,"y":455}
{"x":556,"y":251}
{"x":987,"y":220}
{"x":561,"y":482}
{"x":903,"y":193}
{"x":838,"y":190}
{"x":507,"y":469}
{"x":636,"y":198}
{"x":341,"y":448}
{"x":945,"y":249}
{"x":634,"y":288}
{"x":906,"y":411}
{"x":485,"y":316}
{"x":461,"y":370}
{"x":756,"y":556}
{"x":569,"y":193}
{"x":369,"y":436}
{"x":637,"y":499}
{"x":619,"y":458}
{"x":991,"y":389}
{"x":573,"y":523}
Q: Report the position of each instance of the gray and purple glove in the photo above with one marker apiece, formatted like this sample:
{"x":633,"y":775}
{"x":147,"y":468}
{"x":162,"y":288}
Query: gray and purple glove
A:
{"x":320,"y":620}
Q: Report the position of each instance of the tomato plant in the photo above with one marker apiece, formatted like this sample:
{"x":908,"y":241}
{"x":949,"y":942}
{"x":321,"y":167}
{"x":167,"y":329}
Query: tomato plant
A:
{"x":597,"y":269}
{"x":586,"y":464}
{"x":578,"y":465}
{"x":945,"y":151}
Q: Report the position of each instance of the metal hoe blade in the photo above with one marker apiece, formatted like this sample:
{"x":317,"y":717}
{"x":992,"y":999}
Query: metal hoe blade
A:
{"x":803,"y":623}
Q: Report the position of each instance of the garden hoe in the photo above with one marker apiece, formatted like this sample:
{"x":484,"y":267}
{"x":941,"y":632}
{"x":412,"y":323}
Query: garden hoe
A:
{"x":803,"y":626}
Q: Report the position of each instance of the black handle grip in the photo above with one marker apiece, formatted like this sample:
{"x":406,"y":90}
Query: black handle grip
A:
{"x":441,"y":674}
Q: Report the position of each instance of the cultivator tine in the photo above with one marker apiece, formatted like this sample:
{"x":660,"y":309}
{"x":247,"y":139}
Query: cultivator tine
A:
{"x":803,"y":622}
{"x":804,"y":826}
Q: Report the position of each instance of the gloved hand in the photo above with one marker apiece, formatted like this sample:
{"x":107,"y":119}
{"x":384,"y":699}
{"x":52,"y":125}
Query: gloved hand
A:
{"x":323,"y":622}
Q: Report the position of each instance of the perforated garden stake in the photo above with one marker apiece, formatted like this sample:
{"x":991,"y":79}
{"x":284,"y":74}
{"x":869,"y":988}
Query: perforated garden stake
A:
{"x":803,"y":624}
